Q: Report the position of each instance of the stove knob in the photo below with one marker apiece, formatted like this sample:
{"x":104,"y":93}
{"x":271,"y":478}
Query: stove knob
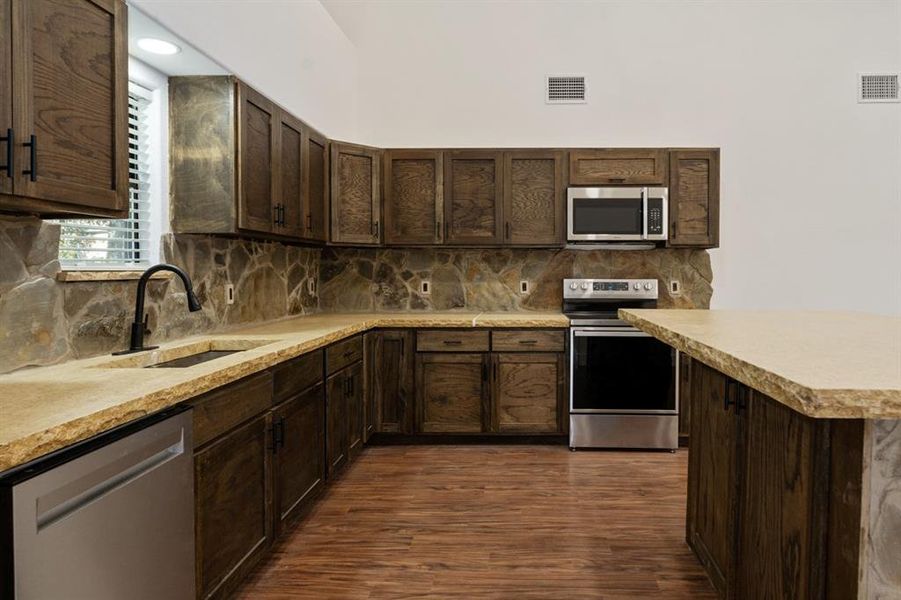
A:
{"x":573,"y":285}
{"x":584,"y":286}
{"x":637,"y":286}
{"x":648,"y":286}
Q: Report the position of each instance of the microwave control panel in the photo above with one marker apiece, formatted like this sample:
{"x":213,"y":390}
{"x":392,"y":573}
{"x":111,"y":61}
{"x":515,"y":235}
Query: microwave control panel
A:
{"x":655,"y":216}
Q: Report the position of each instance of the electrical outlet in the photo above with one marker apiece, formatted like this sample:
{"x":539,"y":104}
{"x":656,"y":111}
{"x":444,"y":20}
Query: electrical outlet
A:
{"x":425,"y":287}
{"x":675,"y":288}
{"x":524,"y":286}
{"x":229,"y":293}
{"x":311,"y":287}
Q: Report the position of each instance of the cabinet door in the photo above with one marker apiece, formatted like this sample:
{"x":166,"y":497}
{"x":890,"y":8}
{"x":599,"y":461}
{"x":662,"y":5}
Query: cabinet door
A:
{"x":617,"y":166}
{"x":316,"y":187}
{"x":355,"y":195}
{"x":528,"y":392}
{"x":781,"y":545}
{"x":533,"y":198}
{"x":685,"y":391}
{"x":300,"y":456}
{"x":473,"y":197}
{"x":336,"y":423}
{"x":233,"y":520}
{"x":70,"y":76}
{"x":289,"y":192}
{"x":452,"y":393}
{"x":712,"y":476}
{"x":694,"y":198}
{"x":414,"y":197}
{"x":390,"y":375}
{"x":354,"y":375}
{"x":6,"y":99}
{"x":257,"y":124}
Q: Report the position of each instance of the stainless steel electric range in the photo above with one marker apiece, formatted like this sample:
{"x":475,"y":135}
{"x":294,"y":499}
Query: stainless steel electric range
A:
{"x":623,"y":384}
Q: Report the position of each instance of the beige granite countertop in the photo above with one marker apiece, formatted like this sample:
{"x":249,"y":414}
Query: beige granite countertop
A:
{"x":48,"y":408}
{"x":822,"y":364}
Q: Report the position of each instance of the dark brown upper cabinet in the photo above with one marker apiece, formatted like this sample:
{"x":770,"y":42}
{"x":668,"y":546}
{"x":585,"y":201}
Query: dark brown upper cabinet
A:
{"x":414,"y":197}
{"x":355,"y":189}
{"x":534,"y":198}
{"x":240,"y":164}
{"x":316,"y":181}
{"x":257,"y":209}
{"x":473,"y":197}
{"x":64,"y":114}
{"x":694,"y":197}
{"x":617,"y":166}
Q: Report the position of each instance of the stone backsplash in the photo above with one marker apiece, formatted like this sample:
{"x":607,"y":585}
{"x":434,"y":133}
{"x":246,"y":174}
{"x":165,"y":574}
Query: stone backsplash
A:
{"x":45,"y":321}
{"x":489,"y":280}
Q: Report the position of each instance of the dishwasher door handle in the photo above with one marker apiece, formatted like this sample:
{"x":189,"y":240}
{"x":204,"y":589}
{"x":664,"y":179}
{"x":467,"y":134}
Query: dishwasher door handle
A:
{"x":75,"y":495}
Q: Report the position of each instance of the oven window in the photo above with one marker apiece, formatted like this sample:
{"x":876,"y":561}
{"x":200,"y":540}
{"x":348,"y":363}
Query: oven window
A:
{"x":598,"y":216}
{"x":622,"y":374}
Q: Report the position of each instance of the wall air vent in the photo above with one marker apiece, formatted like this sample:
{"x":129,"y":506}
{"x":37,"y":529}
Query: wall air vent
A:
{"x":566,"y":89}
{"x":877,"y":87}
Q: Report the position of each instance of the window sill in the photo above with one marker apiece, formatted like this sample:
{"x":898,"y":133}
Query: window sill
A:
{"x":77,"y":276}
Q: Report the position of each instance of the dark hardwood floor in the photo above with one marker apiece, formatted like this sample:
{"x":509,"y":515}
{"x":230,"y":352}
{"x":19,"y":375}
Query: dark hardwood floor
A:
{"x":492,"y":522}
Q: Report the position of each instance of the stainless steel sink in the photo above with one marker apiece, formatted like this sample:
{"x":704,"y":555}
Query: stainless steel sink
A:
{"x":188,"y":355}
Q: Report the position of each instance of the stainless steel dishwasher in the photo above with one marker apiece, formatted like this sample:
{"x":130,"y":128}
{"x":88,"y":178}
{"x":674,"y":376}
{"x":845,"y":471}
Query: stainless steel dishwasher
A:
{"x":111,"y":518}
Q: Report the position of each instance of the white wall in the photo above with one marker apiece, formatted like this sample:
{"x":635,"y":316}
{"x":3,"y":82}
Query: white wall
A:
{"x":291,"y":50}
{"x":811,"y":180}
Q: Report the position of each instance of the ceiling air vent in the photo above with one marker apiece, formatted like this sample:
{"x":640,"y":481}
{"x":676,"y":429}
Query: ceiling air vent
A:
{"x":877,"y":87}
{"x":566,"y":89}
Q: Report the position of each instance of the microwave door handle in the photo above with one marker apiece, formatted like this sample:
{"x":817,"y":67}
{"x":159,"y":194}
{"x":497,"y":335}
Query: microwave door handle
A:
{"x":644,"y":213}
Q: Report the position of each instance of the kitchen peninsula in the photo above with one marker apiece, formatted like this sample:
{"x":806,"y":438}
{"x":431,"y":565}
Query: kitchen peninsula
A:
{"x":794,"y":486}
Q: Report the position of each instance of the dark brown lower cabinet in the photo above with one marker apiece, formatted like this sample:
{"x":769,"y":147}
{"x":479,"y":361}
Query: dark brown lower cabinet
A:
{"x":355,"y":420}
{"x":389,"y":367}
{"x":299,"y":460}
{"x":344,"y":417}
{"x":685,"y":390}
{"x":528,"y":392}
{"x":768,"y":498}
{"x":233,"y":519}
{"x":452,"y":391}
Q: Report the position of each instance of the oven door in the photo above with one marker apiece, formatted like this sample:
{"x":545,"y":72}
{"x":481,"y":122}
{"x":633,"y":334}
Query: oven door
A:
{"x":621,"y":370}
{"x":606,"y":214}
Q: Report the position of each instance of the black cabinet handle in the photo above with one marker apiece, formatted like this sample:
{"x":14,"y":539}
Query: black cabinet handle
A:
{"x":10,"y":141}
{"x":728,"y":398}
{"x":309,"y":222}
{"x":507,"y":227}
{"x":375,"y":230}
{"x":617,"y":179}
{"x":280,"y":432}
{"x":484,"y":371}
{"x":528,"y":342}
{"x":275,"y":218}
{"x":281,"y":217}
{"x":32,"y":145}
{"x":452,"y":342}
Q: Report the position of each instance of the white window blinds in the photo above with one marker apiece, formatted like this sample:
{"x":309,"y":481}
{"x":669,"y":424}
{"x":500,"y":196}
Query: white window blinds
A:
{"x":118,"y":243}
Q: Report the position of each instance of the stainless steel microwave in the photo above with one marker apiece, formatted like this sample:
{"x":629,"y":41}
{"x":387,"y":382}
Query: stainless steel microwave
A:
{"x":616,"y":214}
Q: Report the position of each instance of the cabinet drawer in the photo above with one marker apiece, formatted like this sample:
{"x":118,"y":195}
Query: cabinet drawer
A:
{"x":452,"y":341}
{"x":615,"y":166}
{"x":349,"y":351}
{"x":222,"y":409}
{"x":296,"y":375}
{"x":524,"y":340}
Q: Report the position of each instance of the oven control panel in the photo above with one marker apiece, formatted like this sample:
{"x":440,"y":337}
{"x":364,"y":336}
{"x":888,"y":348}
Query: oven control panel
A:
{"x":639,"y":289}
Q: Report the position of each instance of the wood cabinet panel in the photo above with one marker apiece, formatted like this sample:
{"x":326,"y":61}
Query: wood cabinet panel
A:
{"x":70,"y":105}
{"x":452,"y":393}
{"x":296,"y":375}
{"x":534,"y":198}
{"x":473,"y":197}
{"x":343,"y":353}
{"x":300,"y":456}
{"x":390,"y":367}
{"x":355,"y":417}
{"x":316,"y":187}
{"x":289,"y":192}
{"x":336,"y":430}
{"x":226,"y":407}
{"x":256,"y":153}
{"x":713,"y":476}
{"x":233,"y":520}
{"x":528,"y":340}
{"x":629,"y":166}
{"x":450,"y":340}
{"x":694,"y":198}
{"x":528,"y":392}
{"x":6,"y":98}
{"x":414,"y":197}
{"x":355,"y":195}
{"x":685,"y":391}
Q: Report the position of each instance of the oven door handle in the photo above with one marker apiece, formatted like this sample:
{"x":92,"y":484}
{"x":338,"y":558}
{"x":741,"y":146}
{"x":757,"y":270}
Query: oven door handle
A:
{"x":610,"y":333}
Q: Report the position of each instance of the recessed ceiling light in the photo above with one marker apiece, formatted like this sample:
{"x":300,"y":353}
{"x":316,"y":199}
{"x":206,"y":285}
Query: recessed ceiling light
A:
{"x":158,"y":46}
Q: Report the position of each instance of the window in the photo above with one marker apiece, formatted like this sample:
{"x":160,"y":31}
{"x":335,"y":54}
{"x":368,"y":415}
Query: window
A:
{"x":109,"y":244}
